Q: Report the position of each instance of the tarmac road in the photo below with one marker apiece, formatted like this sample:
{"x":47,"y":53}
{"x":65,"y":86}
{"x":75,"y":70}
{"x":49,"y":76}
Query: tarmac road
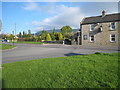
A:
{"x":35,"y":51}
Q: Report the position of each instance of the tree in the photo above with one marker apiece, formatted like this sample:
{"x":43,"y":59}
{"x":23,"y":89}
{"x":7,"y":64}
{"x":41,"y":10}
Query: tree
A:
{"x":48,"y":38}
{"x":69,"y":35}
{"x":53,"y":34}
{"x":26,"y":35}
{"x":20,"y":35}
{"x":60,"y":36}
{"x":11,"y":36}
{"x":36,"y":38}
{"x":65,"y":30}
{"x":29,"y":31}
{"x":23,"y":34}
{"x":4,"y":36}
{"x":43,"y":34}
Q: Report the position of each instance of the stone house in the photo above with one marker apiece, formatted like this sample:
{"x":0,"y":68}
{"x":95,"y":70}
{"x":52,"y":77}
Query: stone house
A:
{"x":103,"y":30}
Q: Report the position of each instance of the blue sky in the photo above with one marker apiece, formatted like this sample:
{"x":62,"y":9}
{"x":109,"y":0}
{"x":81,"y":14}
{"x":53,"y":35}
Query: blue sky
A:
{"x":37,"y":16}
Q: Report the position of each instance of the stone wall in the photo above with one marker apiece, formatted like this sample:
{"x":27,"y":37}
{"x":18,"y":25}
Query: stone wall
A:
{"x":101,"y":38}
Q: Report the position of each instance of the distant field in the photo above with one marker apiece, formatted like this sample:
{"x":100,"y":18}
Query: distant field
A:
{"x":5,"y":46}
{"x":82,"y":71}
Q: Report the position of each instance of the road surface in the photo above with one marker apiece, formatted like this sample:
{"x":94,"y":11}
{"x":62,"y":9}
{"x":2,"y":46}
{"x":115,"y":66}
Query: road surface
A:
{"x":35,"y":51}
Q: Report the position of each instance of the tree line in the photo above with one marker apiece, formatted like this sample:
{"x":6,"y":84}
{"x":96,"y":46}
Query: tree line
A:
{"x":65,"y":33}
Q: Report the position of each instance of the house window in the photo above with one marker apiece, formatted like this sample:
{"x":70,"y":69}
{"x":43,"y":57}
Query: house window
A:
{"x":112,"y":38}
{"x":92,"y":38}
{"x":92,"y":27}
{"x":112,"y":25}
{"x":85,"y":37}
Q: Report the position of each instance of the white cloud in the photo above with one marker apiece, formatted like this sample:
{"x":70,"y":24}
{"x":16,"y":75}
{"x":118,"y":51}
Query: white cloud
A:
{"x":48,"y":7}
{"x":36,"y":23}
{"x":63,"y":15}
{"x":60,"y":0}
{"x":31,"y":6}
{"x":67,"y":16}
{"x":38,"y":29}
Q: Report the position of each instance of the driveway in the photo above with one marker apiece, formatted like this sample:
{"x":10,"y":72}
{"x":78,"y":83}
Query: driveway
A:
{"x":35,"y":51}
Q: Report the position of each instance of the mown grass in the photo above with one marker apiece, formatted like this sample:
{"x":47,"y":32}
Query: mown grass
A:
{"x":86,"y":71}
{"x":6,"y":46}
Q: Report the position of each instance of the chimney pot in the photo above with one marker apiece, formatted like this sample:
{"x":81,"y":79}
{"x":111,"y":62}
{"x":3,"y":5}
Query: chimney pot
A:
{"x":103,"y":13}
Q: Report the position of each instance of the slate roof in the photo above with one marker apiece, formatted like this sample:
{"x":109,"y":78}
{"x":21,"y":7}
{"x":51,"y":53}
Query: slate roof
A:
{"x":100,"y":19}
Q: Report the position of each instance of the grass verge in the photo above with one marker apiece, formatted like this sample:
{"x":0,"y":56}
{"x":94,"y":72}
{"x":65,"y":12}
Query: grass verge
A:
{"x":6,"y":46}
{"x":86,"y":71}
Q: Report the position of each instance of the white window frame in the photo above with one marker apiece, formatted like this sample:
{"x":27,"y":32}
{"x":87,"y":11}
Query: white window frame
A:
{"x":111,"y":38}
{"x":90,"y":27}
{"x":111,"y":26}
{"x":90,"y":38}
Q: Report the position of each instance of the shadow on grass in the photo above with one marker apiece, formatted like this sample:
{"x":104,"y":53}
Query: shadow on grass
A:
{"x":2,"y":84}
{"x":72,"y":54}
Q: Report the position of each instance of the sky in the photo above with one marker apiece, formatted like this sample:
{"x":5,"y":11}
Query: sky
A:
{"x":38,"y":16}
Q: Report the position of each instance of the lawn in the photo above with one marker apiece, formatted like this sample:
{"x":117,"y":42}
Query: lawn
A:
{"x":82,"y":71}
{"x":6,"y":46}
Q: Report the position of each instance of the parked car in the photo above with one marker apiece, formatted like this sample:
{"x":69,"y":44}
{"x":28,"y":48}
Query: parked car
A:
{"x":5,"y":40}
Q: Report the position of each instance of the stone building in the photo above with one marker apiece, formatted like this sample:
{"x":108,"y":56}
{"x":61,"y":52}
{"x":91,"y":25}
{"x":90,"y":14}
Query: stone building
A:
{"x":103,"y":30}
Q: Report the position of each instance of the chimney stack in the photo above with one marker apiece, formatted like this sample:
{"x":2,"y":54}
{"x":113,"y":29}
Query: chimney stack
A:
{"x":103,"y":13}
